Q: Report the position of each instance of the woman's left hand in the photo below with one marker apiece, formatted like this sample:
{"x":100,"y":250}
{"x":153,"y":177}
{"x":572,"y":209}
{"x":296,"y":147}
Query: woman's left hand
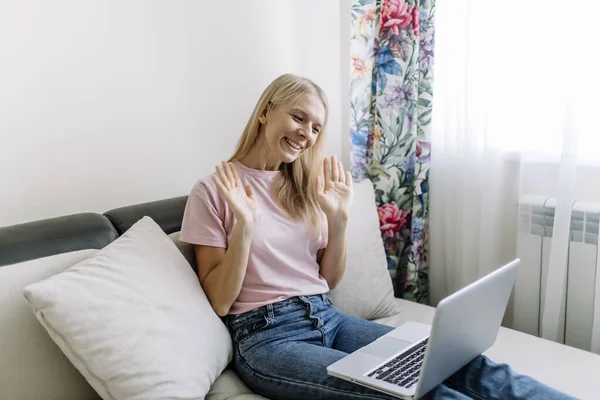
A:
{"x":334,"y":189}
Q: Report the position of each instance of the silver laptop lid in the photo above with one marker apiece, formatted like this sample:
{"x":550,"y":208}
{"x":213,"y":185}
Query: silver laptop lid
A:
{"x":466,"y":323}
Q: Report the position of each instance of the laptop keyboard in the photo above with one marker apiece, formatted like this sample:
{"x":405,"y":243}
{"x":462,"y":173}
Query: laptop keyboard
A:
{"x":403,"y":370}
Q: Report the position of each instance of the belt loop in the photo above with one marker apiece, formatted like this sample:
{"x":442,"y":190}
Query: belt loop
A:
{"x":270,"y":313}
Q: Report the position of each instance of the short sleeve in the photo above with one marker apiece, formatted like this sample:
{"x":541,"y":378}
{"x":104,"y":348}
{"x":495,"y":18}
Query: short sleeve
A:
{"x":323,"y":236}
{"x":202,"y":223}
{"x":323,"y":243}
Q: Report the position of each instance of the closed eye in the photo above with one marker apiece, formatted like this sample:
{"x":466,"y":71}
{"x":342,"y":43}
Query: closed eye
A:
{"x":301,"y":120}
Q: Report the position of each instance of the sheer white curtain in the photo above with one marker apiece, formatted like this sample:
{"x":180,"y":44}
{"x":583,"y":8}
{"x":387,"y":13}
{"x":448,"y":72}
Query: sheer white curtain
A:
{"x":516,"y":111}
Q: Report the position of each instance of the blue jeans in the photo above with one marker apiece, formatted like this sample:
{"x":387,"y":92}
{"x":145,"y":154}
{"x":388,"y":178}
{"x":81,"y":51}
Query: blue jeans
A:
{"x":282,"y":350}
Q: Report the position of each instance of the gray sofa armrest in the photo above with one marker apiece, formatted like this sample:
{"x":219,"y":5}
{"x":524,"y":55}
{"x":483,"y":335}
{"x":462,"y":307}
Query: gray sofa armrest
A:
{"x":53,"y":236}
{"x":166,"y":213}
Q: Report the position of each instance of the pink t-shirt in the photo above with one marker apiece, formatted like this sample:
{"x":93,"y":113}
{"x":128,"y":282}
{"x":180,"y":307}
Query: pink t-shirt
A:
{"x":283,"y":255}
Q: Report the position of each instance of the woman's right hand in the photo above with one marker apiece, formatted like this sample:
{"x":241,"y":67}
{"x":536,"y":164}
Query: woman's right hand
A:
{"x":241,"y":199}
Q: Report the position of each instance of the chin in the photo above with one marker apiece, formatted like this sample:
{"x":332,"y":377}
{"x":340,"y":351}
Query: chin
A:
{"x":290,"y":158}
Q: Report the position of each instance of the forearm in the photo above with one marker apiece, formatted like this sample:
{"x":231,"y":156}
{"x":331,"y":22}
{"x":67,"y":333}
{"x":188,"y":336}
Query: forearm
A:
{"x":333,"y":262}
{"x":224,"y":283}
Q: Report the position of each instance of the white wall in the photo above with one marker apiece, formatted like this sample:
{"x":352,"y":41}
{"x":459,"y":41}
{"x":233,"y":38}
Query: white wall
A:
{"x":110,"y":103}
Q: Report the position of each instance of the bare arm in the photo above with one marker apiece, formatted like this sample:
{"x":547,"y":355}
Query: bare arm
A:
{"x":222,"y":271}
{"x":333,"y":259}
{"x":335,"y":198}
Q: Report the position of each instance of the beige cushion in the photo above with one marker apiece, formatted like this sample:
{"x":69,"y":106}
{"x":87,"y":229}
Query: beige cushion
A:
{"x":31,"y":365}
{"x":565,"y":368}
{"x":134,"y":320}
{"x":410,"y":312}
{"x":229,"y":386}
{"x":366,"y":289}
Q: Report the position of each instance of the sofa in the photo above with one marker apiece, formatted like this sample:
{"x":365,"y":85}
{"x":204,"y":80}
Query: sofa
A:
{"x":32,"y":366}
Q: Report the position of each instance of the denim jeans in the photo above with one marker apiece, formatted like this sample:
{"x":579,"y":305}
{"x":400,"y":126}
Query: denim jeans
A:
{"x":282,"y":350}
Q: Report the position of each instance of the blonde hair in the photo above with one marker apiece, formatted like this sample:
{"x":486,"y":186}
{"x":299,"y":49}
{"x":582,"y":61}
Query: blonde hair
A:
{"x":296,"y":184}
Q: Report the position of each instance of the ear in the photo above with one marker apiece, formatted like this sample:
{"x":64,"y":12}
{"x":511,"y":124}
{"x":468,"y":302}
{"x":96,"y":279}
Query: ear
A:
{"x":263,"y":116}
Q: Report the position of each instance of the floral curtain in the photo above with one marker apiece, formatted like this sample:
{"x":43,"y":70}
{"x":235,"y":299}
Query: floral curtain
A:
{"x":390,"y":116}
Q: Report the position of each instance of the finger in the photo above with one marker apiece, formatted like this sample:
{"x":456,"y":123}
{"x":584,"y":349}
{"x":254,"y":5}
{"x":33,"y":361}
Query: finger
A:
{"x":334,"y":170}
{"x":341,"y":175}
{"x":320,"y":184}
{"x":326,"y":170}
{"x":249,"y":191}
{"x":223,"y":177}
{"x":227,"y":168}
{"x":220,"y":185}
{"x":236,"y":176}
{"x":348,"y":179}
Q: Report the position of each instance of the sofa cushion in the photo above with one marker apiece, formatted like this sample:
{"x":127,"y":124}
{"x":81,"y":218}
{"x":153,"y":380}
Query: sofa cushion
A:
{"x":229,"y":386}
{"x":410,"y":311}
{"x":31,"y":365}
{"x":134,"y":320}
{"x":366,"y":289}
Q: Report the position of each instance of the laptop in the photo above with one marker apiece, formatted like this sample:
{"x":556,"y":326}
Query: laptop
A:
{"x":414,"y":358}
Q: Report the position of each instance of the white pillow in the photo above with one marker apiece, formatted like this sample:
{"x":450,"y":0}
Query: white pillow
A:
{"x":134,"y":320}
{"x":366,"y":289}
{"x":31,"y":365}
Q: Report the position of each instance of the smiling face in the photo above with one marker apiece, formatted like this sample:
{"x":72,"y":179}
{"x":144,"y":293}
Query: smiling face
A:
{"x":291,"y":129}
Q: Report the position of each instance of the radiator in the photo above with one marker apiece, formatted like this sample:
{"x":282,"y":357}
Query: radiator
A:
{"x":579,"y":324}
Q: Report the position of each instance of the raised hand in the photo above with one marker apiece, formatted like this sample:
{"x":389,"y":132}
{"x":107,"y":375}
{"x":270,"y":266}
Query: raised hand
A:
{"x":240,"y":198}
{"x":334,"y":189}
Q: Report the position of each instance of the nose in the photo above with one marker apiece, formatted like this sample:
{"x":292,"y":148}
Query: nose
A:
{"x":302,"y":132}
{"x":306,"y":131}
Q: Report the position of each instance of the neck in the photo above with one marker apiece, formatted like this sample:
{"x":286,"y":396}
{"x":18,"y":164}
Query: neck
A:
{"x":258,"y":157}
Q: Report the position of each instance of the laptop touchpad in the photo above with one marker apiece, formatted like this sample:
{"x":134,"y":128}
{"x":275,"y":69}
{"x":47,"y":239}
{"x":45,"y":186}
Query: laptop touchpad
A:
{"x":386,"y":347}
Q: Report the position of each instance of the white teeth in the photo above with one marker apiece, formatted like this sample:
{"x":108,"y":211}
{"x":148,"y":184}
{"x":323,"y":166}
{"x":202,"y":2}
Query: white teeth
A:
{"x":294,"y":145}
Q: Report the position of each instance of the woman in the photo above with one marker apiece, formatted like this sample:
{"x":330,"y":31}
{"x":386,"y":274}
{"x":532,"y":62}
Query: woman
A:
{"x":270,"y":233}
